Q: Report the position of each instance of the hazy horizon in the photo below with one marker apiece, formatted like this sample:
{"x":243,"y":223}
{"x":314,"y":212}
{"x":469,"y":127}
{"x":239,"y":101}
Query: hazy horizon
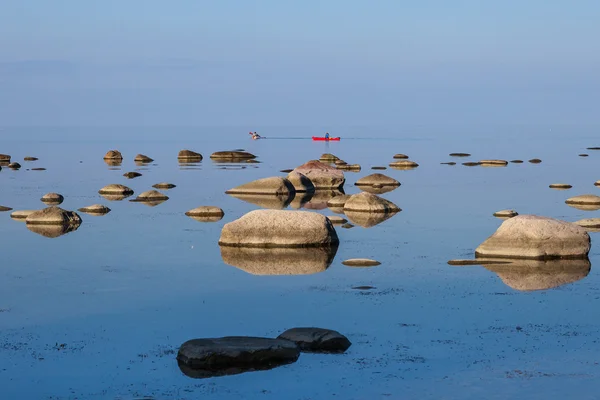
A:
{"x":268,"y":63}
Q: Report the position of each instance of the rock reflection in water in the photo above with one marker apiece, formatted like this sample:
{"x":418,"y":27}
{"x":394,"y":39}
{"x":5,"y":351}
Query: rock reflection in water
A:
{"x":212,"y":373}
{"x":149,"y":203}
{"x":531,"y":275}
{"x":320,"y":198}
{"x":113,"y":163}
{"x":279,"y":261}
{"x":585,"y":207}
{"x":378,"y":190}
{"x":368,"y":220}
{"x":274,"y":202}
{"x":52,"y":231}
{"x":115,"y":197}
{"x":300,"y":200}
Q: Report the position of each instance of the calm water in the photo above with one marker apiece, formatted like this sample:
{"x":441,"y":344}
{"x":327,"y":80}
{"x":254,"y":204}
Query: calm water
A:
{"x":99,"y":313}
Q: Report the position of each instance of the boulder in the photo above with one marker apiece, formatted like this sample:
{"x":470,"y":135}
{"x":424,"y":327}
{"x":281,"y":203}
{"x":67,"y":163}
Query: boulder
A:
{"x":322,"y":175}
{"x":535,"y":161}
{"x":349,"y":167}
{"x":3,"y":209}
{"x":460,"y":155}
{"x":206,"y":211}
{"x":337,"y":220}
{"x":21,"y":214}
{"x":131,"y":175}
{"x":403,"y":164}
{"x":53,"y":216}
{"x":30,"y":159}
{"x":560,"y":186}
{"x":585,"y":199}
{"x":588,"y":223}
{"x":235,"y":354}
{"x":231,"y":155}
{"x":279,"y":261}
{"x":266,"y":186}
{"x":517,"y":161}
{"x":400,"y":156}
{"x":115,"y":192}
{"x":151,"y":196}
{"x":377,"y":181}
{"x":506,"y":214}
{"x":52,"y":198}
{"x":368,"y":202}
{"x":328,"y":158}
{"x":14,"y":165}
{"x":164,"y":185}
{"x":317,"y":340}
{"x":113,"y":155}
{"x":271,"y":228}
{"x":493,"y":163}
{"x":188,"y":155}
{"x":300,"y":182}
{"x":361,"y":262}
{"x":95,"y":209}
{"x":471,"y":164}
{"x":141,"y":158}
{"x":534,"y":237}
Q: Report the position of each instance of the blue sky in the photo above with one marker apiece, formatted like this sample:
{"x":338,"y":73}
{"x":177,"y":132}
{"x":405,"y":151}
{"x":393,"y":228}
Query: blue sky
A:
{"x":72,"y":62}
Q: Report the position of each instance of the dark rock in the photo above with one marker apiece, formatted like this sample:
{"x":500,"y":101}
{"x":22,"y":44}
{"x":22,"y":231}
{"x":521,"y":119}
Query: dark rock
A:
{"x":317,"y":340}
{"x":471,"y":164}
{"x":113,"y":155}
{"x":448,"y":163}
{"x":205,"y":358}
{"x":143,"y":159}
{"x":131,"y":175}
{"x":38,"y":169}
{"x":164,"y":185}
{"x":30,"y":159}
{"x":2,"y":209}
{"x":232,"y":155}
{"x":535,"y":161}
{"x":460,"y":155}
{"x":14,"y":165}
{"x":584,"y":155}
{"x":286,"y":171}
{"x":517,"y":161}
{"x":188,"y":155}
{"x":378,"y":168}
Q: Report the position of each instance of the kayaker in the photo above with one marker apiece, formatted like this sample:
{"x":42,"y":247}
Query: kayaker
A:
{"x":326,"y":135}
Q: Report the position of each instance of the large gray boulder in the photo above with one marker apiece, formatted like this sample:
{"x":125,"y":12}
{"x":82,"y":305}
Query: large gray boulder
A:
{"x":274,"y":228}
{"x":279,"y":261}
{"x":322,"y":175}
{"x":317,"y":340}
{"x":300,"y":182}
{"x":267,"y":186}
{"x":234,"y":354}
{"x":53,"y":216}
{"x":371,"y":203}
{"x":534,"y":237}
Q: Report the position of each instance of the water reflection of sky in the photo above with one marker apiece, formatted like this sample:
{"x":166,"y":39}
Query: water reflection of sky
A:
{"x":125,"y":289}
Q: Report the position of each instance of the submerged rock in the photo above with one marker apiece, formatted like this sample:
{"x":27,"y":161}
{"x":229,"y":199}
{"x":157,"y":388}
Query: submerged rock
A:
{"x":151,"y":196}
{"x":235,"y":354}
{"x":368,"y":202}
{"x":300,"y":182}
{"x":535,"y":161}
{"x":361,"y":262}
{"x":53,"y":216}
{"x":144,"y":159}
{"x":560,"y":186}
{"x":322,"y":175}
{"x":403,"y":164}
{"x":52,"y":198}
{"x":131,"y":175}
{"x":517,"y":161}
{"x":30,"y":159}
{"x":378,"y":168}
{"x":471,"y":164}
{"x":448,"y":163}
{"x":584,"y":155}
{"x":164,"y":185}
{"x":188,"y":155}
{"x":38,"y":169}
{"x":95,"y":209}
{"x":279,"y":261}
{"x":232,"y":155}
{"x":377,"y":181}
{"x":266,"y":186}
{"x":206,"y":213}
{"x":270,"y":228}
{"x":478,"y":261}
{"x":506,"y":214}
{"x":493,"y":163}
{"x":337,"y":220}
{"x":317,"y":340}
{"x":534,"y":237}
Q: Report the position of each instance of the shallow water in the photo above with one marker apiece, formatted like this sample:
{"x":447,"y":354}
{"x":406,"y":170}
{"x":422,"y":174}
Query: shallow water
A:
{"x":100,"y":312}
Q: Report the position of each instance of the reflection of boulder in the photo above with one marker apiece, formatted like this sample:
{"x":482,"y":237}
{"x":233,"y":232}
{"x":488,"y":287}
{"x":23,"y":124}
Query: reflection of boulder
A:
{"x":378,"y":190}
{"x":206,"y":214}
{"x":321,"y":198}
{"x":368,"y":220}
{"x":149,"y":203}
{"x":301,"y":200}
{"x":52,"y":231}
{"x":528,"y":275}
{"x":273,"y":202}
{"x":113,"y":163}
{"x":115,"y":197}
{"x":279,"y":261}
{"x":266,"y":186}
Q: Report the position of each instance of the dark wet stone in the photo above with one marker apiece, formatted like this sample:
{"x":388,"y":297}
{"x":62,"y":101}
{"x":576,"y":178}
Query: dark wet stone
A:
{"x":378,"y":168}
{"x":347,"y":226}
{"x":317,"y":340}
{"x":593,"y":148}
{"x":460,"y":155}
{"x":471,"y":164}
{"x":38,"y":169}
{"x":584,"y":155}
{"x":30,"y":159}
{"x":535,"y":161}
{"x":144,"y":159}
{"x":205,"y":358}
{"x":164,"y":185}
{"x":364,"y":287}
{"x":14,"y":165}
{"x":517,"y":161}
{"x":286,"y":171}
{"x":3,"y":209}
{"x":131,"y":175}
{"x":448,"y":163}
{"x":188,"y":155}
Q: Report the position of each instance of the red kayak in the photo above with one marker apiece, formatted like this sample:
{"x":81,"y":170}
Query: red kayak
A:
{"x":323,"y":138}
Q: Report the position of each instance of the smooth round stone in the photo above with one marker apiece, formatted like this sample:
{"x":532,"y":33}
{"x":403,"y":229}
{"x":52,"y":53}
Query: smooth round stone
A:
{"x":141,"y":158}
{"x":517,"y":161}
{"x":116,"y":189}
{"x":403,"y":164}
{"x":97,"y":209}
{"x":377,"y":180}
{"x":378,"y":168}
{"x":370,"y":203}
{"x":52,"y":198}
{"x":560,"y":186}
{"x":586,"y":199}
{"x":317,"y":340}
{"x":53,"y":216}
{"x":535,"y":161}
{"x":164,"y":185}
{"x":206,"y":211}
{"x":3,"y":209}
{"x":22,"y":214}
{"x":584,"y":155}
{"x":347,"y":226}
{"x":113,"y":155}
{"x":589,"y":223}
{"x":470,"y":164}
{"x":400,"y":156}
{"x":337,"y":220}
{"x":131,"y":175}
{"x":506,"y":214}
{"x":460,"y":155}
{"x":361,"y":262}
{"x":30,"y":159}
{"x":14,"y":165}
{"x":151,"y":195}
{"x":494,"y":163}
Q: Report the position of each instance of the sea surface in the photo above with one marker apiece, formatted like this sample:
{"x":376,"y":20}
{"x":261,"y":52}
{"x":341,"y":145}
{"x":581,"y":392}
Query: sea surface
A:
{"x":99,"y":313}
